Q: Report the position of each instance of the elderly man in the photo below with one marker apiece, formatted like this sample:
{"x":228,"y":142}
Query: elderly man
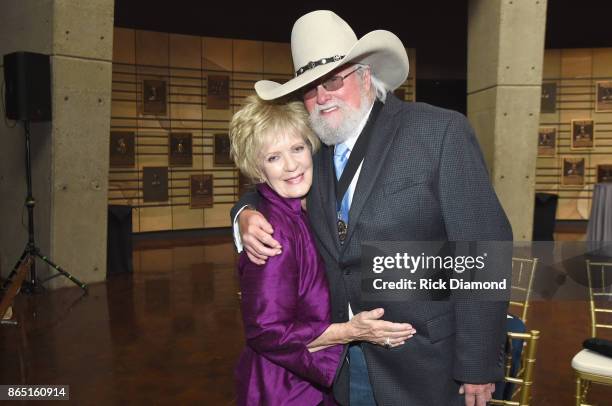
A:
{"x":390,"y":171}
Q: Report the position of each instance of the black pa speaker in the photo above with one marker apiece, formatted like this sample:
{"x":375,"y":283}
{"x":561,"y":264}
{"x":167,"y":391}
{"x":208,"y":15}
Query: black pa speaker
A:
{"x":28,"y":86}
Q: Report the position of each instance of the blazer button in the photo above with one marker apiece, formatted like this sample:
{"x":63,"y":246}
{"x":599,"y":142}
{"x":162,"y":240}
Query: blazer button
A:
{"x":340,"y":314}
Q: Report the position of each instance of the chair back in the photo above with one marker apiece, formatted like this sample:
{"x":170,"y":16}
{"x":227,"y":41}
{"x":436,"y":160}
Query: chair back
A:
{"x":524,"y":378}
{"x":523,"y":270}
{"x":599,"y":276}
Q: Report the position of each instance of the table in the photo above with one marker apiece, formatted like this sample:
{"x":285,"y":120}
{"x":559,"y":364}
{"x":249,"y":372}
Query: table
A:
{"x":600,"y":222}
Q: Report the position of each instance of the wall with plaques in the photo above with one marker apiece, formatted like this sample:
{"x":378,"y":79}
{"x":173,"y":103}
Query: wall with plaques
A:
{"x":575,"y":136}
{"x":173,"y":97}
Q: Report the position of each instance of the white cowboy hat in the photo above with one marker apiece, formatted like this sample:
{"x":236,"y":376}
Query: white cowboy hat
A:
{"x":321,"y":41}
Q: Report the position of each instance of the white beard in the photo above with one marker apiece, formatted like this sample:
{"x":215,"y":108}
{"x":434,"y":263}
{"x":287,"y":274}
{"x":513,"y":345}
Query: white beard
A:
{"x":351,"y":118}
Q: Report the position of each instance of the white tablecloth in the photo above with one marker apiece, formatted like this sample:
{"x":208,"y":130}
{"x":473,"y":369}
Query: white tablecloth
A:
{"x":600,"y":222}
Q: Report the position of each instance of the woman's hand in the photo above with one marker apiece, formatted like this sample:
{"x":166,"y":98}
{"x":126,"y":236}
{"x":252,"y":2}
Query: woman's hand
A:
{"x":364,"y":326}
{"x":367,"y":326}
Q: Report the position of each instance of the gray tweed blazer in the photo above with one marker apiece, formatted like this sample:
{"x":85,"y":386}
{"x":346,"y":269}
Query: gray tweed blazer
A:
{"x":423,"y":179}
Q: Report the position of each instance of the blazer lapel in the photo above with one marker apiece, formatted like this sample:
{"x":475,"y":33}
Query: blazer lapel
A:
{"x":383,"y":133}
{"x":324,"y":197}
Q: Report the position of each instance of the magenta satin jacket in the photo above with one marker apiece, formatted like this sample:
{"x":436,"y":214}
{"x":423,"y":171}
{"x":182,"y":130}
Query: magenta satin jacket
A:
{"x":285,"y":306}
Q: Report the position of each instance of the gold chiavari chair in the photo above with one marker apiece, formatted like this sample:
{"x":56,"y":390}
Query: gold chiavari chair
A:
{"x":589,"y":366}
{"x":524,"y":378}
{"x":523,"y":270}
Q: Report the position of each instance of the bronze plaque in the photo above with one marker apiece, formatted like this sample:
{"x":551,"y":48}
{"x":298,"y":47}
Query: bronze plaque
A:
{"x":573,"y":171}
{"x":603,"y":92}
{"x":201,"y":191}
{"x":180,"y":147}
{"x":549,"y":98}
{"x":154,"y":96}
{"x":583,"y":136}
{"x":155,"y":184}
{"x":547,"y":141}
{"x":122,"y":147}
{"x":218,"y":92}
{"x":604,"y":173}
{"x":222,"y":155}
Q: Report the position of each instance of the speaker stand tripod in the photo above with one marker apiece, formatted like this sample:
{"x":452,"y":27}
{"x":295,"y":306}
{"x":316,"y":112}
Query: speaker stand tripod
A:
{"x":33,"y":284}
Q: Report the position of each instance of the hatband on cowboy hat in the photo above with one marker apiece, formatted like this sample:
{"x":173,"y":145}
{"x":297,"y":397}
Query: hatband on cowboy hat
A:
{"x":321,"y":41}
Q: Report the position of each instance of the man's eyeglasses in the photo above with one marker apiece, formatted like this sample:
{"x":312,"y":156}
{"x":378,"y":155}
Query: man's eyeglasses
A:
{"x":330,"y":84}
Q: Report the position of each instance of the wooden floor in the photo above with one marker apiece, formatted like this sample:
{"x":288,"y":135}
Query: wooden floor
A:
{"x":170,"y":334}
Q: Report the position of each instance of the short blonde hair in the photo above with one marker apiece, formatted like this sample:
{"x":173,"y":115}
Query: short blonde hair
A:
{"x":259,"y":119}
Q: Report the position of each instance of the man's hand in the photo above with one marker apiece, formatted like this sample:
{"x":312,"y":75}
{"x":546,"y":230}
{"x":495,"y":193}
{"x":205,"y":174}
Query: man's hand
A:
{"x":256,"y":234}
{"x":366,"y":326}
{"x":477,"y":395}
